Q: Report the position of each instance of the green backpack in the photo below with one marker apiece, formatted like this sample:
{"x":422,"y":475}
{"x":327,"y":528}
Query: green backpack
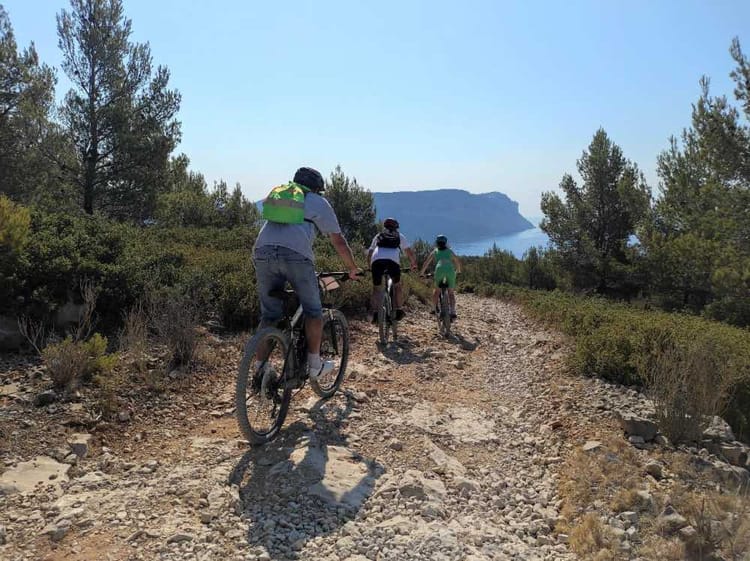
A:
{"x":285,"y":204}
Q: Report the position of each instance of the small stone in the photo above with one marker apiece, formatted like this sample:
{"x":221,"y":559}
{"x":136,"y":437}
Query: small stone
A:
{"x":645,"y":499}
{"x":637,"y":426}
{"x":636,"y":440}
{"x":736,"y":454}
{"x":672,"y":522}
{"x":466,"y":486}
{"x":718,"y":430}
{"x":655,"y":470}
{"x":395,"y":444}
{"x":45,"y":398}
{"x":123,"y":416}
{"x":3,"y":535}
{"x":592,"y":445}
{"x":79,"y":444}
{"x":179,"y":538}
{"x":688,"y":534}
{"x":360,"y":397}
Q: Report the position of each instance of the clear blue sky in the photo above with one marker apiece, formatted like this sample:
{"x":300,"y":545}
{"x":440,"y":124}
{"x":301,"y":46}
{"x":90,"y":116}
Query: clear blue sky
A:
{"x":482,"y":95}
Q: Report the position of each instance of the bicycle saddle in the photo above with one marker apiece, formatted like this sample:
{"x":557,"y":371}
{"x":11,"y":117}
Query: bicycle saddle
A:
{"x":281,"y":294}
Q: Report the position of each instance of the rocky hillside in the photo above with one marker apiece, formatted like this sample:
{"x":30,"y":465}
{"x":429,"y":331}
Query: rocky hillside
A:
{"x":460,"y":215}
{"x":475,"y":448}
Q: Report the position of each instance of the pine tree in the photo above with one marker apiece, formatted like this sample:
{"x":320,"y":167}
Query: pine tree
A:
{"x":120,"y":113}
{"x":591,"y":228}
{"x":26,"y":97}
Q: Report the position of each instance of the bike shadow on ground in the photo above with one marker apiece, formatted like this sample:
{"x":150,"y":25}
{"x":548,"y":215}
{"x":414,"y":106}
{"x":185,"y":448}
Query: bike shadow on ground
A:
{"x":403,"y":351}
{"x":306,"y":483}
{"x":462,"y":342}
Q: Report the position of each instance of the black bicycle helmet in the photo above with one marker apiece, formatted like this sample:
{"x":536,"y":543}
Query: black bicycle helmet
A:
{"x":311,"y":179}
{"x":390,"y":224}
{"x":441,"y":241}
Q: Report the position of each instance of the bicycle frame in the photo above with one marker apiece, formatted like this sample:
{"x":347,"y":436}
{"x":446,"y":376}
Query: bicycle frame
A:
{"x":443,"y":318}
{"x":270,"y":390}
{"x":298,"y":342}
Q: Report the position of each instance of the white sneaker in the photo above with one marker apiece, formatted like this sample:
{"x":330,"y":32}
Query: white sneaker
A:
{"x":326,"y":368}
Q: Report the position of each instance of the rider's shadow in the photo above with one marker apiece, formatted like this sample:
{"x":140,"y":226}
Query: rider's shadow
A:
{"x":404,"y":351}
{"x":464,"y":343}
{"x":305,"y":484}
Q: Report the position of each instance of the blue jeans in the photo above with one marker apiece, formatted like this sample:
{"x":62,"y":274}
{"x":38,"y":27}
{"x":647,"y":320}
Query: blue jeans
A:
{"x":274,"y":266}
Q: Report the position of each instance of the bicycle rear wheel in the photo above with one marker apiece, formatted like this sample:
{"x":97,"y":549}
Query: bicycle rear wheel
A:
{"x":384,"y":314}
{"x":445,"y":316}
{"x":335,"y":347}
{"x":261,"y":398}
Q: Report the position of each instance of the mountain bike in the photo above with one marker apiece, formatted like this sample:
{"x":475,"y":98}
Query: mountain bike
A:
{"x":444,"y":309}
{"x":264,"y":390}
{"x":387,"y":313}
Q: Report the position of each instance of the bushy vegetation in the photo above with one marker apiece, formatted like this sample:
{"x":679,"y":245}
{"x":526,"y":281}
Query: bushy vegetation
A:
{"x":71,"y":362}
{"x":693,"y":367}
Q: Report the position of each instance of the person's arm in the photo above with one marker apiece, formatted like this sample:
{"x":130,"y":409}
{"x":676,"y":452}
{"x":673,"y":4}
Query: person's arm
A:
{"x":456,"y":262}
{"x":412,"y":258}
{"x":427,"y":262}
{"x":371,"y":249}
{"x":345,"y":252}
{"x":324,"y":217}
{"x":407,"y":249}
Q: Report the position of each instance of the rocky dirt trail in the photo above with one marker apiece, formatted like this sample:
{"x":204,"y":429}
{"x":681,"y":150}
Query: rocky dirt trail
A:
{"x":435,"y":450}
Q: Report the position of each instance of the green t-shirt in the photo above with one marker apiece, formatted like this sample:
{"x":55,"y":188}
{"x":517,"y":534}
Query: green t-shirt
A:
{"x":443,"y":260}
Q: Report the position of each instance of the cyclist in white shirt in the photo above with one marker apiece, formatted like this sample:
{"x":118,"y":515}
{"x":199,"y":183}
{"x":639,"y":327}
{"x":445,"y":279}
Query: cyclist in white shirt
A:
{"x":384,"y":255}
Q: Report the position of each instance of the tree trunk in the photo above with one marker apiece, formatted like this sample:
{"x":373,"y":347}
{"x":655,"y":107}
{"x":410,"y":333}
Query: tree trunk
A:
{"x":92,"y":154}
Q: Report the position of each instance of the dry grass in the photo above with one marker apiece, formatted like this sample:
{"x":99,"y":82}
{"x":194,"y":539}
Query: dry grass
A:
{"x":134,"y":337}
{"x":155,"y":380}
{"x":71,"y":362}
{"x":591,"y":539}
{"x":689,"y":384}
{"x":174,"y":319}
{"x":85,"y":326}
{"x":609,"y":480}
{"x":655,"y":547}
{"x":610,"y":474}
{"x":106,"y":402}
{"x":721,"y":521}
{"x":35,"y":332}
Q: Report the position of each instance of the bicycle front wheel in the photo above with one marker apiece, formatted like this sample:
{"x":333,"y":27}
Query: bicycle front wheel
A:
{"x":334,"y":347}
{"x":262,"y":396}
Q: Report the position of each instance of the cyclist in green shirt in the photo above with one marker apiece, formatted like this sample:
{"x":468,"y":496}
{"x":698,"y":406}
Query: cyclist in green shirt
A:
{"x":446,"y":267}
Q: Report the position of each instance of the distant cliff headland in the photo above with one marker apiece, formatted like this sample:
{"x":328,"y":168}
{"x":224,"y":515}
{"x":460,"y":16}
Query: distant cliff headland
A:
{"x":460,"y":215}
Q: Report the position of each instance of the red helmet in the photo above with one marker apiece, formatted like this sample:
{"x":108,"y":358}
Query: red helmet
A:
{"x":390,"y":224}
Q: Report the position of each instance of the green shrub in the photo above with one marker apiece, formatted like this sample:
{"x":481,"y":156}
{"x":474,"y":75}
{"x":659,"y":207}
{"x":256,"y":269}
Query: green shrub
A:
{"x":237,"y":301}
{"x":14,"y":226}
{"x":71,"y":362}
{"x":665,"y":352}
{"x":607,"y":352}
{"x":65,"y":249}
{"x":14,"y":233}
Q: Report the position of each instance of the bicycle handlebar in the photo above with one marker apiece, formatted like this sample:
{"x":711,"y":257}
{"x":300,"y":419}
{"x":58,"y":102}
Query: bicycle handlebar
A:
{"x":338,"y":275}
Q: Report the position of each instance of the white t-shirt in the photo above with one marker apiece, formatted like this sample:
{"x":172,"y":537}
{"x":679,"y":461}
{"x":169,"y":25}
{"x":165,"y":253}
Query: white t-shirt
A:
{"x":390,"y":253}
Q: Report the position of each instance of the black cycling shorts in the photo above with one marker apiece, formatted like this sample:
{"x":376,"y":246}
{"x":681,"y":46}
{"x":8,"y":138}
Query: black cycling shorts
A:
{"x":380,"y":266}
